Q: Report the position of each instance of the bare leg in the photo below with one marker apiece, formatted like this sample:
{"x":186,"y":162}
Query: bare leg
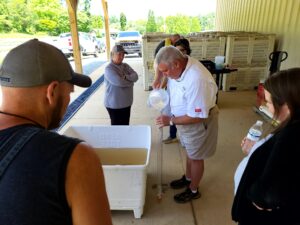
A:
{"x":188,"y":172}
{"x":197,"y":170}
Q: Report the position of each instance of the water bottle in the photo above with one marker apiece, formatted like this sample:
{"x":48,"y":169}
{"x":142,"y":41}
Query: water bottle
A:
{"x":255,"y":131}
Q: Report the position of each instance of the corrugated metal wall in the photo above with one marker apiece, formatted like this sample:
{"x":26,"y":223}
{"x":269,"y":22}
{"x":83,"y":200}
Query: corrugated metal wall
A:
{"x":281,"y":17}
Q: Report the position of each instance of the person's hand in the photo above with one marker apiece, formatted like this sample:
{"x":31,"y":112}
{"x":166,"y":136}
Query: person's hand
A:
{"x":247,"y":145}
{"x":156,"y":84}
{"x":163,"y":120}
{"x":158,"y":77}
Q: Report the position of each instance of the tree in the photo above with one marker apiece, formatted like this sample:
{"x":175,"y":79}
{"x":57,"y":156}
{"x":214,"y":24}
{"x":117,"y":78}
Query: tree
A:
{"x":123,"y":21}
{"x":63,"y":24}
{"x":16,"y":16}
{"x":83,"y":22}
{"x":113,"y":19}
{"x":139,"y":25}
{"x":177,"y":24}
{"x":46,"y":15}
{"x":195,"y":24}
{"x":87,"y":7}
{"x":97,"y":22}
{"x":5,"y":23}
{"x":208,"y":21}
{"x":151,"y":24}
{"x":160,"y":24}
{"x":51,"y":16}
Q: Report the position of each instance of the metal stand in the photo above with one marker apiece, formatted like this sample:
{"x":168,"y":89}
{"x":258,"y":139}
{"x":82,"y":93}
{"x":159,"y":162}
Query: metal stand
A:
{"x":159,"y":165}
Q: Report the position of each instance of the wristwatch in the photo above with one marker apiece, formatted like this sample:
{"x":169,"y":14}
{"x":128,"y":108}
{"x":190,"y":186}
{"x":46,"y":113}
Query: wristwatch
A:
{"x":171,"y":121}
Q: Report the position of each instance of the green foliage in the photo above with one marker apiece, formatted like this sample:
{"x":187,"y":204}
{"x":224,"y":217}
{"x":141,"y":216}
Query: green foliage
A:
{"x":113,"y":19}
{"x":195,"y":24}
{"x":151,"y":24}
{"x":83,"y":22}
{"x":123,"y":21}
{"x":178,"y":24}
{"x":51,"y":17}
{"x":138,"y":25}
{"x":87,"y":7}
{"x":45,"y":14}
{"x":5,"y":22}
{"x":97,"y":22}
{"x":208,"y":22}
{"x":17,"y":16}
{"x":32,"y":16}
{"x":160,"y":24}
{"x":63,"y":24}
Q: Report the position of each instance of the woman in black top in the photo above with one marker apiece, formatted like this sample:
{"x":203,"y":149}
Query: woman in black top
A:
{"x":269,"y":190}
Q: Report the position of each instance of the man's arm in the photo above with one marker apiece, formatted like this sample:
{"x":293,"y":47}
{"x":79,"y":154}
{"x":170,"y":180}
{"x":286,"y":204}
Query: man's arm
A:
{"x":159,"y":81}
{"x":130,"y":74}
{"x":115,"y":78}
{"x":164,"y":120}
{"x":85,"y":188}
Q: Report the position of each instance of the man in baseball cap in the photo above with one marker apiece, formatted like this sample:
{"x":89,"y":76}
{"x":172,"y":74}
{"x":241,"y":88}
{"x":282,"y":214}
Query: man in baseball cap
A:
{"x":118,"y":48}
{"x":56,"y":178}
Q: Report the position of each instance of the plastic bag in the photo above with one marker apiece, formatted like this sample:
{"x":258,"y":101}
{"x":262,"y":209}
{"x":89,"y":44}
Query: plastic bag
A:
{"x":158,"y":99}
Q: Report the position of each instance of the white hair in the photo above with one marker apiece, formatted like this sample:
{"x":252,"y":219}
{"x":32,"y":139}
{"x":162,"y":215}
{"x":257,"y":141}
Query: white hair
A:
{"x":168,"y":55}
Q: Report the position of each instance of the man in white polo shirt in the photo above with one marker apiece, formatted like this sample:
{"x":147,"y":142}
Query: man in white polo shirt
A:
{"x":193,"y":106}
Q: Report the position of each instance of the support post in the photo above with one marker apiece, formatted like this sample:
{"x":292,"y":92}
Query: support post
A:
{"x":72,"y":10}
{"x":107,"y":33}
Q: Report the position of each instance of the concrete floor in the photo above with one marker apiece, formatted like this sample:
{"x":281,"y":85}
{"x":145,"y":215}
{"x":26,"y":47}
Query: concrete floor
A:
{"x":213,"y":208}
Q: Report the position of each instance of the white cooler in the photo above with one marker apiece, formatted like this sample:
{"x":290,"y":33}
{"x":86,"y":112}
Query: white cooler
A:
{"x":125,"y":181}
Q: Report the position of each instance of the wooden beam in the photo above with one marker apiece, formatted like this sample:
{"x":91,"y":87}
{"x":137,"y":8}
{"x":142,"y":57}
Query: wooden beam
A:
{"x":107,"y":33}
{"x":72,"y":9}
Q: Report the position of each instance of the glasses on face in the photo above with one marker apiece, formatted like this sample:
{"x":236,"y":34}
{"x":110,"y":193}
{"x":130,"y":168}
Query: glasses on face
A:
{"x":182,"y":50}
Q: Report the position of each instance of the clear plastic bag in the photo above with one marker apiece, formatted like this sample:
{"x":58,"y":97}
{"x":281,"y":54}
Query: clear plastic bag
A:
{"x":158,"y":99}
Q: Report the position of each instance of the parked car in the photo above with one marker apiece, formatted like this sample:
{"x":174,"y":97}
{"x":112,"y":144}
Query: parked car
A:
{"x":131,"y":41}
{"x":87,"y":42}
{"x":101,"y":45}
{"x":101,"y":42}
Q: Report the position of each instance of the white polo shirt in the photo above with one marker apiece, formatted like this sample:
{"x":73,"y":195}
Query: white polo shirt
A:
{"x":194,"y":93}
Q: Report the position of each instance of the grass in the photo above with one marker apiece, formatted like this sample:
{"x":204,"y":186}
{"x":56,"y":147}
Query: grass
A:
{"x":21,"y":35}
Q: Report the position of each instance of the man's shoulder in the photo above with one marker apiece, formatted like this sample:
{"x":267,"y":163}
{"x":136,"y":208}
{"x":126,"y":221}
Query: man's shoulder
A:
{"x":196,"y":66}
{"x":193,"y":61}
{"x":52,"y":136}
{"x":109,"y":65}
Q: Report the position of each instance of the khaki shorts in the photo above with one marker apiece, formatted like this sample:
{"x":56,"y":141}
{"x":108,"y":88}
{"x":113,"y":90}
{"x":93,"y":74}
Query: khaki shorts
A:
{"x":200,"y":139}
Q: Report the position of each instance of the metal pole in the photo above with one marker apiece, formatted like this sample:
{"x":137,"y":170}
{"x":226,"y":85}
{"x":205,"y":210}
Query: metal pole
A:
{"x":159,"y":164}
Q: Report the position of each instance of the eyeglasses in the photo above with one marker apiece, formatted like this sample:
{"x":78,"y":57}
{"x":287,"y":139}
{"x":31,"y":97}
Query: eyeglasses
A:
{"x":182,"y":50}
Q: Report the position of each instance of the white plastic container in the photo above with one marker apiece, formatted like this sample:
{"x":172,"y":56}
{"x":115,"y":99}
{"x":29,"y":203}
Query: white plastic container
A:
{"x":125,"y":184}
{"x":219,"y":61}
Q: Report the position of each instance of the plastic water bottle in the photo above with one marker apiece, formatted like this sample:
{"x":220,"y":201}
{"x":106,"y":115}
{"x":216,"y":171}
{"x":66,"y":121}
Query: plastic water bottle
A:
{"x":255,"y":131}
